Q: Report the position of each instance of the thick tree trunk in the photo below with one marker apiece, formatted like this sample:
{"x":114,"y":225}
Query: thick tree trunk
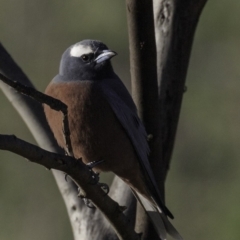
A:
{"x":158,"y":80}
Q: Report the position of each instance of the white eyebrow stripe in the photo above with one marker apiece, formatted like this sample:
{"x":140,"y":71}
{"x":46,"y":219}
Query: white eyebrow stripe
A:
{"x":79,"y":50}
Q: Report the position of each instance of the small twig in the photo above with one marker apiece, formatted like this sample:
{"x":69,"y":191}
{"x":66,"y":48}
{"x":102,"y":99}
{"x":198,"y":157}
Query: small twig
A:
{"x":50,"y":101}
{"x":66,"y":134}
{"x":36,"y":95}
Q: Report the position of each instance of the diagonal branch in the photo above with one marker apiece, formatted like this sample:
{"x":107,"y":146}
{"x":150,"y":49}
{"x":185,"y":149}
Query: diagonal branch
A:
{"x":55,"y":104}
{"x":81,"y":175}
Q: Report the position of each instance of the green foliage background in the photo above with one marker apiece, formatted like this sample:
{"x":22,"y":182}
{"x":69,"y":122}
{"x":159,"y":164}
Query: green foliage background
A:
{"x":203,"y":183}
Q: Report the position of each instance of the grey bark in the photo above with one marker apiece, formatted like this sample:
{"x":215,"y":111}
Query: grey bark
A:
{"x":160,"y":46}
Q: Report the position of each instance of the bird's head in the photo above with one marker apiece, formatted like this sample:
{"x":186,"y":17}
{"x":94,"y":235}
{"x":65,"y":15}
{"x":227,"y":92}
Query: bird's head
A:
{"x":87,"y":60}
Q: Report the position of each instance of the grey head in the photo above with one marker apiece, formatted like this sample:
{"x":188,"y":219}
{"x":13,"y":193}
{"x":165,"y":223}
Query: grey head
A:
{"x":87,"y":60}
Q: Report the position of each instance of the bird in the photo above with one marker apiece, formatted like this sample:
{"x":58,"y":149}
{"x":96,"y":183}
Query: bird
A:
{"x":104,"y":125}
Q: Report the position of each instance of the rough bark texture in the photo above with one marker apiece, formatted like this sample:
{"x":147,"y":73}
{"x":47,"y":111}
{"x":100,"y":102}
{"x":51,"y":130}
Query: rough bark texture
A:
{"x":144,"y":85}
{"x":175,"y":24}
{"x":158,"y":88}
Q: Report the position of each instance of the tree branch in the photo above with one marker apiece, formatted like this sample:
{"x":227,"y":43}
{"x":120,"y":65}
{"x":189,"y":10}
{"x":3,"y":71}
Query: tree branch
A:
{"x":144,"y":85}
{"x":55,"y":104}
{"x":158,"y":82}
{"x":81,"y":175}
{"x":175,"y":24}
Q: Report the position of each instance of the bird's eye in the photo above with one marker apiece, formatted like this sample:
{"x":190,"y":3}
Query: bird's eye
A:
{"x":85,"y":58}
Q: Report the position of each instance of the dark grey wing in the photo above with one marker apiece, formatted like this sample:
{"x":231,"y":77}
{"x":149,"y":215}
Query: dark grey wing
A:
{"x":124,"y":108}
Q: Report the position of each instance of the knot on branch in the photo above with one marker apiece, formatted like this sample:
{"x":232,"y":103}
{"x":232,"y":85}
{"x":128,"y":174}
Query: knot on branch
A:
{"x":164,"y":15}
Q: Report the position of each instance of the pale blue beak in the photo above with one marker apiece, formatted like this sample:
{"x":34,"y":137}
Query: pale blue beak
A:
{"x":104,"y":56}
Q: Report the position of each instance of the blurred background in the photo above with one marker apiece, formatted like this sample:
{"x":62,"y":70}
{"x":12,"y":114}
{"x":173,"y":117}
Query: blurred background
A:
{"x":202,"y":188}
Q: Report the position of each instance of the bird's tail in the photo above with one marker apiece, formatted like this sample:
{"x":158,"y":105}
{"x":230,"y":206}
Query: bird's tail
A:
{"x":160,"y":221}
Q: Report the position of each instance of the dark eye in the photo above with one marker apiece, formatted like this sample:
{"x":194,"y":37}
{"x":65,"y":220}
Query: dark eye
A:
{"x":86,"y":57}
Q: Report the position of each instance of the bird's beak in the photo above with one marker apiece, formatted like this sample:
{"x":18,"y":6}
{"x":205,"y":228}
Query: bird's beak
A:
{"x":105,"y":55}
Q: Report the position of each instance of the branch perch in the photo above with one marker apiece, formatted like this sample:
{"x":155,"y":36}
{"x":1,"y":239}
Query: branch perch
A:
{"x":81,"y":175}
{"x":55,"y":104}
{"x":145,"y":88}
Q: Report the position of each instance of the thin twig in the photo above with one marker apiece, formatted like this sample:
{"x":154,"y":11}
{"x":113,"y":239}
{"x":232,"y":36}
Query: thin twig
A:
{"x":55,"y":104}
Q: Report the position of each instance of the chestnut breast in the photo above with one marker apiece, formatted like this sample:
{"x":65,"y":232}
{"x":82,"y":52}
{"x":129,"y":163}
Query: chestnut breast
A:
{"x":96,"y":133}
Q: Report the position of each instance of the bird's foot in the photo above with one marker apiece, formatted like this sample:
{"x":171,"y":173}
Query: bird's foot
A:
{"x":104,"y":187}
{"x":87,"y":202}
{"x":94,"y":163}
{"x":95,"y":176}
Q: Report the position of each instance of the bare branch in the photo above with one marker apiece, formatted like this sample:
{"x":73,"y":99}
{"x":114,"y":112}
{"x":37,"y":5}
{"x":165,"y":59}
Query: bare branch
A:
{"x":175,"y":24}
{"x":143,"y":59}
{"x":81,"y":175}
{"x":55,"y":104}
{"x":144,"y":85}
{"x":158,"y":98}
